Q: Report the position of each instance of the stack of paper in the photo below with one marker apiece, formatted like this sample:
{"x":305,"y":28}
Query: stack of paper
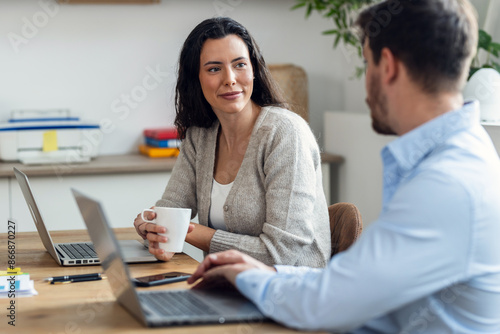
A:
{"x":15,"y":284}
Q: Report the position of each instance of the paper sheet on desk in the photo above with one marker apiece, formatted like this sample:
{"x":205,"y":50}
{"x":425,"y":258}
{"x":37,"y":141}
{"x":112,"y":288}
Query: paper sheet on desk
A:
{"x":21,"y":286}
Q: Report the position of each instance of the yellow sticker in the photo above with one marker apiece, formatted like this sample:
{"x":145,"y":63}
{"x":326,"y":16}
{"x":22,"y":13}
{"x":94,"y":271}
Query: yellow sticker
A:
{"x":11,"y":272}
{"x":50,"y":141}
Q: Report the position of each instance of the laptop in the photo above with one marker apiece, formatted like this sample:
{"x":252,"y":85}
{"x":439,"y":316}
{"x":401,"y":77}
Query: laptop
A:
{"x":160,"y":307}
{"x":75,"y":253}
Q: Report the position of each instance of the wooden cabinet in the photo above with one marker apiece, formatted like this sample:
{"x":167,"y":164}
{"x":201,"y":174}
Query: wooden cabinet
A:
{"x":123,"y":196}
{"x":124,"y":184}
{"x":4,"y":204}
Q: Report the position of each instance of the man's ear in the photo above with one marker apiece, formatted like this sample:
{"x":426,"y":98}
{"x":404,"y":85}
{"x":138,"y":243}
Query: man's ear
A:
{"x":390,"y":66}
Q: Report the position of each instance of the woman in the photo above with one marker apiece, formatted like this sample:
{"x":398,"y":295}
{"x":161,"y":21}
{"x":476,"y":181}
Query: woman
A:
{"x":250,"y":169}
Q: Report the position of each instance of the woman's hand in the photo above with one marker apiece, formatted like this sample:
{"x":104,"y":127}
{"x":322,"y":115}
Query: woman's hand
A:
{"x":154,"y":248}
{"x":140,"y":224}
{"x":150,"y":231}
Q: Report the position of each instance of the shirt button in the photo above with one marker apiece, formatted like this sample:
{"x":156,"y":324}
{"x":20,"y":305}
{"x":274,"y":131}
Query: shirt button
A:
{"x":226,"y":208}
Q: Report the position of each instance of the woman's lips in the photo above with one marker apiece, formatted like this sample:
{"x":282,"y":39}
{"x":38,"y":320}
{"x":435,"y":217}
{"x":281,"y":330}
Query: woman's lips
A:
{"x":231,"y":95}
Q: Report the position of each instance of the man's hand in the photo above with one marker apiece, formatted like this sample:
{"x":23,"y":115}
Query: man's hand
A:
{"x":219,"y":268}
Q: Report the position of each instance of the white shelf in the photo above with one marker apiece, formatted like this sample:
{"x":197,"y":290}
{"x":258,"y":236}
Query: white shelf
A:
{"x":490,"y":123}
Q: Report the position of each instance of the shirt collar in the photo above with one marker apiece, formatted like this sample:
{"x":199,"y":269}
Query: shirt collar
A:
{"x":409,"y":149}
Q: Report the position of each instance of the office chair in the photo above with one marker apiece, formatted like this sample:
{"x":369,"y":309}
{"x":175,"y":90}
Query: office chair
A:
{"x":345,"y":226}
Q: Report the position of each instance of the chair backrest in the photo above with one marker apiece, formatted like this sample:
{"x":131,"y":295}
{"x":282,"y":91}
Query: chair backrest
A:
{"x":292,"y":80}
{"x":346,"y":226}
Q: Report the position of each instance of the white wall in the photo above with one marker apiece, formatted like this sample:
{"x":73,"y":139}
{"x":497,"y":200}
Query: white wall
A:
{"x":87,"y":57}
{"x":360,"y":176}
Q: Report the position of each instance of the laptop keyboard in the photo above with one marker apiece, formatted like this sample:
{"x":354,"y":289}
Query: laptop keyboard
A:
{"x":79,"y":251}
{"x":176,"y":303}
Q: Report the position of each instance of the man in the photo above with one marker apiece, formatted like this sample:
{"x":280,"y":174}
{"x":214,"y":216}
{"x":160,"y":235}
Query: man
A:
{"x":431,"y":262}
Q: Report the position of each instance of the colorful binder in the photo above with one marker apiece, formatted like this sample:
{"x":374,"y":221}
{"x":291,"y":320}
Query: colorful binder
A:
{"x":157,"y":152}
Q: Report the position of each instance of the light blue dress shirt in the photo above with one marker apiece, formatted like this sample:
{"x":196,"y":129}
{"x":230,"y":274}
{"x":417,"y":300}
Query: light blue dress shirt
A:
{"x":429,"y":264}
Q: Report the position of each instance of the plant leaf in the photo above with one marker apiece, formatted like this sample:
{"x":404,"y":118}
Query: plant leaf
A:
{"x":330,"y":32}
{"x":359,"y":72}
{"x":309,"y":9}
{"x":360,"y":52}
{"x":299,"y":5}
{"x":337,"y":39}
{"x":472,"y":70}
{"x":484,"y":40}
{"x":331,"y":12}
{"x":496,"y":66}
{"x":495,"y":48}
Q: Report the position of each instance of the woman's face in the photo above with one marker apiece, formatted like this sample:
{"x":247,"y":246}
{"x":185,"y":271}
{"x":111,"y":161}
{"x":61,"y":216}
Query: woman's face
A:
{"x":226,"y":74}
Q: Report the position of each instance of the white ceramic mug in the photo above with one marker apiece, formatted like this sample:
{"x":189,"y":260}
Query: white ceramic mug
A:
{"x":176,"y":221}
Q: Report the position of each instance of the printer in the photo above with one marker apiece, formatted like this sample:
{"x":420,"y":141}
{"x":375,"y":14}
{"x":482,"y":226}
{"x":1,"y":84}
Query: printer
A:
{"x":48,"y":137}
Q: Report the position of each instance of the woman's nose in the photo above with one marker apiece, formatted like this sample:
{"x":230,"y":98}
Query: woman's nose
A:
{"x":230,"y":79}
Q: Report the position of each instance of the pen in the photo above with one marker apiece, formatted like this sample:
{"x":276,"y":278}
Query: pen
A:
{"x":76,"y":280}
{"x":70,"y":277}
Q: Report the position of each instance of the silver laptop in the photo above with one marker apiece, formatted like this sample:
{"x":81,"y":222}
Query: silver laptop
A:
{"x":160,"y":307}
{"x":79,"y":253}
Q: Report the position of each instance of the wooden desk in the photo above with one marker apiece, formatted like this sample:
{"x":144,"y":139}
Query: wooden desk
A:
{"x":90,"y":307}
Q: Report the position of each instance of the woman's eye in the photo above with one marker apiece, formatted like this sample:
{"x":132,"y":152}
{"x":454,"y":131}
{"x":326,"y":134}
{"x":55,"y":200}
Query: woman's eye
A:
{"x":241,"y":65}
{"x":214,"y":69}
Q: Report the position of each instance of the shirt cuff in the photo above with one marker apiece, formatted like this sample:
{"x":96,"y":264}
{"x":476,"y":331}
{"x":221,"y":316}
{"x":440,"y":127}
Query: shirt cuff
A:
{"x":295,"y":271}
{"x":253,"y":283}
{"x":282,"y":269}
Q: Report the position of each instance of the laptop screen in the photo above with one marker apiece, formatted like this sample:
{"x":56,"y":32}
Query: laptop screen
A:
{"x":109,"y":252}
{"x":24,"y":184}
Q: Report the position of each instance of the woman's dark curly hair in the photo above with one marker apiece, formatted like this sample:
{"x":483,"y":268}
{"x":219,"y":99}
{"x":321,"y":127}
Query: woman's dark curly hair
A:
{"x":192,"y":109}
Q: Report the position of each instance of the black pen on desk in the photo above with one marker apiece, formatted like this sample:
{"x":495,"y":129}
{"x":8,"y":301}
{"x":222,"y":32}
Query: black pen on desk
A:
{"x":70,"y":277}
{"x":76,"y":280}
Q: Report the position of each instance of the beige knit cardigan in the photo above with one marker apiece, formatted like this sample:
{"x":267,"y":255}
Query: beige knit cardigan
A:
{"x":276,"y":210}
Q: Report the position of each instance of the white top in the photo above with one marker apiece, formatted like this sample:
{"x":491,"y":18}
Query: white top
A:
{"x":217,"y":200}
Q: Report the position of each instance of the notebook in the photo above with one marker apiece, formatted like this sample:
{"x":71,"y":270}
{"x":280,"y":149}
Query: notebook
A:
{"x":80,"y":253}
{"x":160,"y":307}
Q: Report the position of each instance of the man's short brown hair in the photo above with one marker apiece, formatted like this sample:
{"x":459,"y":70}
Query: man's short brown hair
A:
{"x":435,"y":39}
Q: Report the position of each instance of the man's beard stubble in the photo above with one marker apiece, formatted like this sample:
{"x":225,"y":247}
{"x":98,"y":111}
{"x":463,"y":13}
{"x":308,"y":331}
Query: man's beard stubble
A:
{"x":377,"y":102}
